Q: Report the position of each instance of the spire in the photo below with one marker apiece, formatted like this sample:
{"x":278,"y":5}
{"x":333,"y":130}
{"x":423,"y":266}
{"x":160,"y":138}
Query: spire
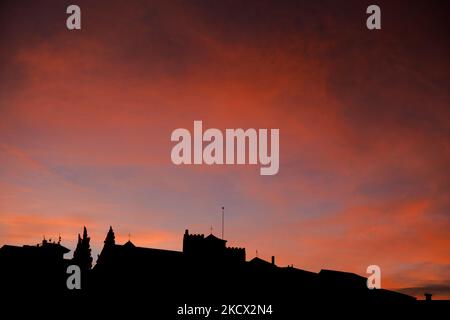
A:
{"x":108,"y":246}
{"x":110,"y":239}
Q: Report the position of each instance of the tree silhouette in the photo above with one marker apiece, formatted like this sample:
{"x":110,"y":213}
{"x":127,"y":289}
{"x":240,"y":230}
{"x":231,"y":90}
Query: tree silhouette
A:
{"x":82,"y":254}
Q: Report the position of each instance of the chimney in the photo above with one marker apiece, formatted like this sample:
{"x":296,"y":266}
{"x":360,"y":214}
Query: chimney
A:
{"x":273,"y":260}
{"x":428,"y":296}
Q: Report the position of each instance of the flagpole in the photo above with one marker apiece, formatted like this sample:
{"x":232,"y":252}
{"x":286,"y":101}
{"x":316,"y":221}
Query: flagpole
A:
{"x":223,"y":222}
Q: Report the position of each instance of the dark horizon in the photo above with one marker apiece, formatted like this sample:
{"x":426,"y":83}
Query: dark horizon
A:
{"x":418,"y":293}
{"x":126,"y":266}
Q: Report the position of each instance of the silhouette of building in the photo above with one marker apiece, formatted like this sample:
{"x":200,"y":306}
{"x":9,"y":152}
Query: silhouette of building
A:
{"x":197,"y":249}
{"x":211,"y":248}
{"x":205,"y":270}
{"x":32,"y":267}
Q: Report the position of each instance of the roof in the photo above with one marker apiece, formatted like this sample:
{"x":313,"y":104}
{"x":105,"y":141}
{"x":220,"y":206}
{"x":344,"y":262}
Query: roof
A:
{"x":260,"y":262}
{"x":129,"y":244}
{"x":212,"y":237}
{"x":340,"y":274}
{"x":55,"y":247}
{"x":298,"y":271}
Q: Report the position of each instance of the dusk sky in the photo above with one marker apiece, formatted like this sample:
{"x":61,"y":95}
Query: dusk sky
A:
{"x":364,"y":116}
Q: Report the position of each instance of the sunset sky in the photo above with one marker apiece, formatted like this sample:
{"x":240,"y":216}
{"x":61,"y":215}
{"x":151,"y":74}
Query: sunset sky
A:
{"x":364,"y":118}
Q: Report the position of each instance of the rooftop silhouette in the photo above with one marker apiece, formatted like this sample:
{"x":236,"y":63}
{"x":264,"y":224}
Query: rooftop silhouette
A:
{"x":206,"y":271}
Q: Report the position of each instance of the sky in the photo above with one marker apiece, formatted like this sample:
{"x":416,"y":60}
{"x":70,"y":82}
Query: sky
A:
{"x":86,"y":118}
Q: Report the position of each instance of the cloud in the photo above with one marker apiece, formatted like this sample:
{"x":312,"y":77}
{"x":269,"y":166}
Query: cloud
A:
{"x":86,"y":120}
{"x":439,"y":291}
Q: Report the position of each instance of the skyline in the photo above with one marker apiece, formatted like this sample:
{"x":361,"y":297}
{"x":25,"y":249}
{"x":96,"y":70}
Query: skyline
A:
{"x":86,"y":119}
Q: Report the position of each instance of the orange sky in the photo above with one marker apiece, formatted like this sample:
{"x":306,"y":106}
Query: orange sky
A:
{"x":86,"y":118}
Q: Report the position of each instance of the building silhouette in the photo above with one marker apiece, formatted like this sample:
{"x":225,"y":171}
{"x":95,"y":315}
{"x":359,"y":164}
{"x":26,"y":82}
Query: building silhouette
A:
{"x":33,"y":267}
{"x":205,"y":271}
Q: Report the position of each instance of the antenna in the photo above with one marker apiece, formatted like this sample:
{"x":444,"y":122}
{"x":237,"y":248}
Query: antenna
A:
{"x":223,"y":222}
